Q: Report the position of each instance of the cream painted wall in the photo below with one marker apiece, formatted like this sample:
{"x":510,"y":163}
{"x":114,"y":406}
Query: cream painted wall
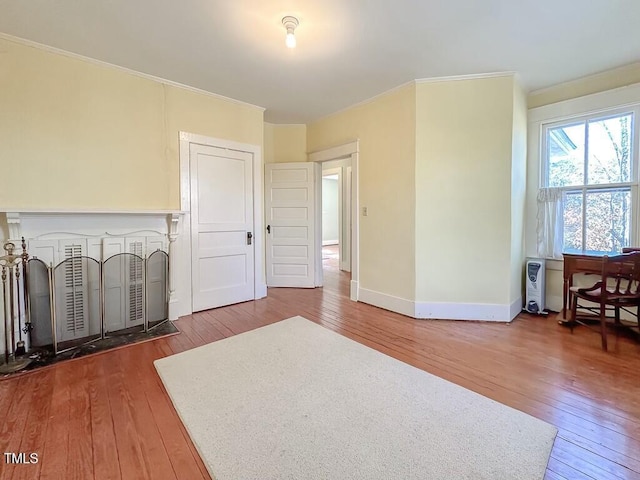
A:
{"x":286,"y":143}
{"x":269,"y":143}
{"x":385,"y":127}
{"x":610,"y":79}
{"x":518,"y":191}
{"x":93,"y":136}
{"x":463,"y":191}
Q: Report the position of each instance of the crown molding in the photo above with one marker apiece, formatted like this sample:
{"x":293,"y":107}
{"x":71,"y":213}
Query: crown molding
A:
{"x":287,"y":124}
{"x":594,"y":76}
{"x":453,"y":78}
{"x":100,"y":63}
{"x":472,"y":76}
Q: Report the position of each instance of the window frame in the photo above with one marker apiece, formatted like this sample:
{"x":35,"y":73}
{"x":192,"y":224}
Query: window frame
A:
{"x":632,"y":185}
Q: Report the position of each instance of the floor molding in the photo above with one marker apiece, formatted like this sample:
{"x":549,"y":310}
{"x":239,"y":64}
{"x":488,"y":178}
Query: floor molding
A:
{"x":465,"y":311}
{"x":441,"y":310}
{"x":388,"y":302}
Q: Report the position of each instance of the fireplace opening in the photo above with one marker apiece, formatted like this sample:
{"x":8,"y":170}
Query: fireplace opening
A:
{"x":84,"y":305}
{"x":82,"y":299}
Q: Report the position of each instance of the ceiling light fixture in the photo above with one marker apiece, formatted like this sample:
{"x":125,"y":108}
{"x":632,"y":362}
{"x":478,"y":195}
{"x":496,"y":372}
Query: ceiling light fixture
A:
{"x":290,"y":23}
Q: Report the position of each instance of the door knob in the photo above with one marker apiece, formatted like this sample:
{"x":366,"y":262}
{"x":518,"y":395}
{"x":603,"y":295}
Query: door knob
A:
{"x":268,"y":228}
{"x":249,"y":237}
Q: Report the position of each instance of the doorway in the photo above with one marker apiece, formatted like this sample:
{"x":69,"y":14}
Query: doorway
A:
{"x":337,"y":248}
{"x":332,"y":227}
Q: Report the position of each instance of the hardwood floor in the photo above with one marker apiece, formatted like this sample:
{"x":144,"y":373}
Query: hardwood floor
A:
{"x":108,"y":417}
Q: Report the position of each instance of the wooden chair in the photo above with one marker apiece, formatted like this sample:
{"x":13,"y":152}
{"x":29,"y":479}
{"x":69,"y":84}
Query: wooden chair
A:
{"x":618,"y":288}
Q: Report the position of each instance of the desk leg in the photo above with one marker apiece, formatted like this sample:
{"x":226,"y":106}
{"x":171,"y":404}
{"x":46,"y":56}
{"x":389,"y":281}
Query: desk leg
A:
{"x":565,"y":300}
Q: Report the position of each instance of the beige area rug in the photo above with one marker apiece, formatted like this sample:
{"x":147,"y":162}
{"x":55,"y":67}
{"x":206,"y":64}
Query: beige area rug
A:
{"x":294,"y":400}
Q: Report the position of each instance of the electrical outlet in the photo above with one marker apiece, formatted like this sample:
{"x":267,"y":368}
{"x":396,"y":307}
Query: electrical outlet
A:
{"x":365,"y":212}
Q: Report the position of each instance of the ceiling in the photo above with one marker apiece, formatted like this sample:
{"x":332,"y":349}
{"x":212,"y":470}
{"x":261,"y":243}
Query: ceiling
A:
{"x":348,"y":50}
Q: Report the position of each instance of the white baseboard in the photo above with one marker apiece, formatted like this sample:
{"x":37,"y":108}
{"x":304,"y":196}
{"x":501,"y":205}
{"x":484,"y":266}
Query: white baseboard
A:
{"x":178,"y":308}
{"x":261,"y":291}
{"x":554,"y":302}
{"x":441,"y":311}
{"x":516,"y":307}
{"x":388,"y":302}
{"x":467,"y":311}
{"x":353,"y":293}
{"x":330,"y":242}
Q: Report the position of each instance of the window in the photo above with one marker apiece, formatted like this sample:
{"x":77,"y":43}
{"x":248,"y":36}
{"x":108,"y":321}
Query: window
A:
{"x":592,"y":161}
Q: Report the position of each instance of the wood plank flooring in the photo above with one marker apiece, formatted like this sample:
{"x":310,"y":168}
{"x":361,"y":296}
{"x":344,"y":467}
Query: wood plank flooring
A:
{"x":108,"y":416}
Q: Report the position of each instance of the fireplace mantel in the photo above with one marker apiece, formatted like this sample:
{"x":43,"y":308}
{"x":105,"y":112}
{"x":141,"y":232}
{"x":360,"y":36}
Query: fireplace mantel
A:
{"x":51,"y":225}
{"x":34,"y":223}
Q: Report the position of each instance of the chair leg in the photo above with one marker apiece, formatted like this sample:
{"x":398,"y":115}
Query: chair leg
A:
{"x":617,"y":315}
{"x":603,"y":327}
{"x":574,"y":307}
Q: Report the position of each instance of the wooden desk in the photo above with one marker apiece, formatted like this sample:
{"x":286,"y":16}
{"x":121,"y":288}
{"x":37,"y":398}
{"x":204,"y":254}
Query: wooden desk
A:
{"x":576,"y":263}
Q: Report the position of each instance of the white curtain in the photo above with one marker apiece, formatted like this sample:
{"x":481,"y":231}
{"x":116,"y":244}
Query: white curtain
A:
{"x":550,"y":222}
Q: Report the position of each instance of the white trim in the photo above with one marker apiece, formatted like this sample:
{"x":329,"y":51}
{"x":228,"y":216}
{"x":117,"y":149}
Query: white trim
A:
{"x":318,"y":274}
{"x":543,"y":128}
{"x":365,"y":101}
{"x":87,"y":211}
{"x":605,"y":102}
{"x":553,"y":302}
{"x":516,"y":307}
{"x":467,"y":311}
{"x":100,"y":63}
{"x":345,"y":233}
{"x":183,"y":283}
{"x":594,"y":103}
{"x":174,"y":229}
{"x":58,"y":225}
{"x":471,"y":76}
{"x":346,"y":150}
{"x":334,"y":153}
{"x":14,"y":224}
{"x":577,"y":81}
{"x":442,"y":311}
{"x":353,"y":294}
{"x":287,"y":124}
{"x":388,"y":302}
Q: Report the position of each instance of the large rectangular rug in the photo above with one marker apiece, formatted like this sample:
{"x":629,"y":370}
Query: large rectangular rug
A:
{"x":294,"y":400}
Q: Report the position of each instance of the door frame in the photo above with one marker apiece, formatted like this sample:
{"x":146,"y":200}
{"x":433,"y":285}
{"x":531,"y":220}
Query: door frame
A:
{"x":183,"y":288}
{"x":341,"y":152}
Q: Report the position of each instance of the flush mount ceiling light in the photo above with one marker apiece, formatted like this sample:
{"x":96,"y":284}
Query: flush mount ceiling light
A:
{"x":290,"y":23}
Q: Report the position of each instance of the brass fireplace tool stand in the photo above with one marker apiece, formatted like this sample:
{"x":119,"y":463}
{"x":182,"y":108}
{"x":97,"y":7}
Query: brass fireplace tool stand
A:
{"x":12,"y":266}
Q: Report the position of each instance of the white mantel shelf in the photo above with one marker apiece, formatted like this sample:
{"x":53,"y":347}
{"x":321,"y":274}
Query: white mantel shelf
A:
{"x":44,"y":211}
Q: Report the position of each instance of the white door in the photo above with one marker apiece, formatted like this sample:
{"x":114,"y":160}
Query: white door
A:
{"x":221,"y":226}
{"x":290,"y":210}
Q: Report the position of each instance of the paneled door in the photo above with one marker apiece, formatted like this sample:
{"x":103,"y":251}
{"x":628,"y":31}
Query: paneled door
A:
{"x":290,"y":217}
{"x":222,"y":246}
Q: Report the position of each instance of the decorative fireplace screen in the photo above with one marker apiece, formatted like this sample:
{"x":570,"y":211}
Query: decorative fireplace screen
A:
{"x":82,"y":299}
